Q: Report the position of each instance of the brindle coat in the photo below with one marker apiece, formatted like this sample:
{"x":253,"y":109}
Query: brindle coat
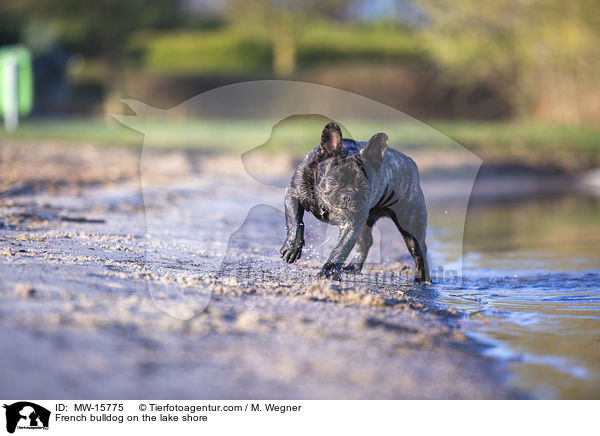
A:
{"x":351,"y":185}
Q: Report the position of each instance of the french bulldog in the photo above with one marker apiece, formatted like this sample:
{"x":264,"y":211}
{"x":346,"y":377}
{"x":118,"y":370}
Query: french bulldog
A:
{"x":352,"y":184}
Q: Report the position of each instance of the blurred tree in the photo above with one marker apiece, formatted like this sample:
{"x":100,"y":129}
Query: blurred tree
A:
{"x":9,"y":26}
{"x":100,"y":28}
{"x":546,"y":53}
{"x":282,"y":21}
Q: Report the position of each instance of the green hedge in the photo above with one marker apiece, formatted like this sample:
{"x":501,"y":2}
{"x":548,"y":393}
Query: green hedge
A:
{"x":230,"y":49}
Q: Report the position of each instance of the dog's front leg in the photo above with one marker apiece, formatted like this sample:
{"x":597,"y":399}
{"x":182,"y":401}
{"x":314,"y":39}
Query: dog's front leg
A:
{"x":362,"y":250}
{"x":348,"y":236}
{"x":294,"y":212}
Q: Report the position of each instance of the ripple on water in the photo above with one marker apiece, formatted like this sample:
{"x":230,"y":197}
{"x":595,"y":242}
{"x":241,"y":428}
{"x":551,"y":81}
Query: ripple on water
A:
{"x":547,"y":326}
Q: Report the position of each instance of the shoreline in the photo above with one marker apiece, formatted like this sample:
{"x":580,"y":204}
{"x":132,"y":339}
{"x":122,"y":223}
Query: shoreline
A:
{"x":77,"y":292}
{"x":56,"y":166}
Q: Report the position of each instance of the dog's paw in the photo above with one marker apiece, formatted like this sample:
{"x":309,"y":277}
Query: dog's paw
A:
{"x":353,"y":268}
{"x":421,"y":278}
{"x":423,"y":281}
{"x":331,"y":271}
{"x":291,"y":252}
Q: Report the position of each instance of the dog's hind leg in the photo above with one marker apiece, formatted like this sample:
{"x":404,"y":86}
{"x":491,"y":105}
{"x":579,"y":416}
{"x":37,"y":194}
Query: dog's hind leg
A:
{"x":365,"y":240}
{"x":418,"y":251}
{"x":413,"y":233}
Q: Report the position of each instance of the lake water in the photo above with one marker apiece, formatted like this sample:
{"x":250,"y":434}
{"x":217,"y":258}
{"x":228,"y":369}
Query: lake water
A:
{"x":531,"y":291}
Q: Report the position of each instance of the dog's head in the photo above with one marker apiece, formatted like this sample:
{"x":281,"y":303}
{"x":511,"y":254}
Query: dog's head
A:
{"x":343,"y":184}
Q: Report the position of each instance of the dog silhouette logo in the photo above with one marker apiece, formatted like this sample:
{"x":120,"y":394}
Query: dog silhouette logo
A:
{"x":26,"y":415}
{"x":287,"y":116}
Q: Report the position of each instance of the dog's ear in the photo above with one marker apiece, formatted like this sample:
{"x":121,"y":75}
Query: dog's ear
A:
{"x":331,"y":140}
{"x":375,"y":149}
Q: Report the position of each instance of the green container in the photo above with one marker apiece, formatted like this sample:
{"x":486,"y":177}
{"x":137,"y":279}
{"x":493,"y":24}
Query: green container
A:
{"x":22,"y":56}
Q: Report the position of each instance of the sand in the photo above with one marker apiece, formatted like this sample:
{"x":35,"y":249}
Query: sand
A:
{"x":91,"y":272}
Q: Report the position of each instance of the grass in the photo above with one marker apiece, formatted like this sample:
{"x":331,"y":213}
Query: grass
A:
{"x":242,"y":50}
{"x":535,"y":144}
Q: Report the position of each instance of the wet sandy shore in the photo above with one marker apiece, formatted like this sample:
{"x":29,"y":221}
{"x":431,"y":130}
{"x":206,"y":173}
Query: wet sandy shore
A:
{"x":82,"y":288}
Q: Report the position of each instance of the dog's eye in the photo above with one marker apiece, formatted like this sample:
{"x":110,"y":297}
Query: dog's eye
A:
{"x":331,"y":180}
{"x":364,"y":186}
